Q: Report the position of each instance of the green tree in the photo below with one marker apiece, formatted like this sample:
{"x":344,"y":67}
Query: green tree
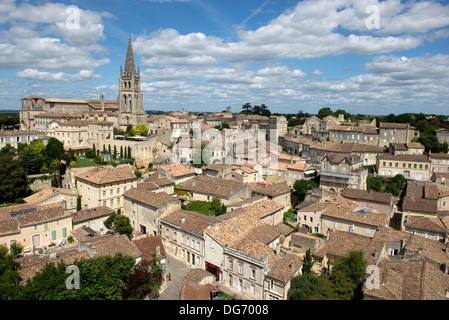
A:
{"x":215,"y":206}
{"x":121,"y":152}
{"x":9,"y":275}
{"x":129,"y":152}
{"x":301,"y":187}
{"x":246,"y":107}
{"x":141,"y":130}
{"x":304,"y":287}
{"x":30,"y":160}
{"x":308,"y":263}
{"x":54,"y":149}
{"x":374,"y":183}
{"x":324,"y":112}
{"x":78,"y":203}
{"x":348,"y":275}
{"x":13,"y":180}
{"x":102,"y":278}
{"x":119,"y":223}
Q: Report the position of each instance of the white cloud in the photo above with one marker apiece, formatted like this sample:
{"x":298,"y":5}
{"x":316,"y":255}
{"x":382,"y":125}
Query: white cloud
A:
{"x":46,"y":37}
{"x":33,"y":74}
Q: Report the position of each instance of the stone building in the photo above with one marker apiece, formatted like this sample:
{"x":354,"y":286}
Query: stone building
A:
{"x":105,"y":186}
{"x":145,"y":208}
{"x":340,"y":171}
{"x":396,"y":133}
{"x":36,"y":111}
{"x":411,"y":166}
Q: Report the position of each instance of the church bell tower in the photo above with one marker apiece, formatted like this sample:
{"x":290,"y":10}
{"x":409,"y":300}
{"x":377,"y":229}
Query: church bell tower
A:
{"x":130,"y":99}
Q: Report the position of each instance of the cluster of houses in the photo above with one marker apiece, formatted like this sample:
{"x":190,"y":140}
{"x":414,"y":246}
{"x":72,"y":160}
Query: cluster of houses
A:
{"x":251,"y":249}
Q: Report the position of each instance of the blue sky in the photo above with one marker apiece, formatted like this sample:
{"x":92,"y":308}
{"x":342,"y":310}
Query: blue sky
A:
{"x":205,"y":55}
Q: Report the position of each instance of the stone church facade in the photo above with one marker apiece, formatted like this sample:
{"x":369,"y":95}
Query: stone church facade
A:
{"x":127,"y":109}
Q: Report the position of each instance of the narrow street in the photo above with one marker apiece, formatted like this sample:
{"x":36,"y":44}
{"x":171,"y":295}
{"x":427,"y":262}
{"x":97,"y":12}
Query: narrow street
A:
{"x":177,"y":270}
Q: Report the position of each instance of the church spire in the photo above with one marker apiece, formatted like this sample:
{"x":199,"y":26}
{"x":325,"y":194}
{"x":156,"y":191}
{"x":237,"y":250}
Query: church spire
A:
{"x":130,"y":68}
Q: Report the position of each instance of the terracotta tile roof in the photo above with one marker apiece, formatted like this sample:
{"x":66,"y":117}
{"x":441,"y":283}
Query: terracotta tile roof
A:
{"x":161,"y":182}
{"x":191,"y":221}
{"x":417,"y":199}
{"x":9,"y":227}
{"x":110,"y":245}
{"x":338,"y":158}
{"x":34,"y":215}
{"x":391,"y":235}
{"x":285,"y":268}
{"x":247,"y":234}
{"x":46,"y":194}
{"x":360,"y":215}
{"x":404,"y":157}
{"x":299,"y":166}
{"x":104,"y":175}
{"x":91,"y":213}
{"x":213,"y":186}
{"x":410,"y":280}
{"x":246,"y":202}
{"x":177,"y":169}
{"x":439,"y":155}
{"x":340,"y":243}
{"x":147,"y":197}
{"x":259,"y":209}
{"x":150,"y":186}
{"x":414,"y":145}
{"x":391,"y":125}
{"x":271,"y":190}
{"x":429,"y":248}
{"x":372,"y":196}
{"x":195,"y":287}
{"x":367,"y":130}
{"x":32,"y":264}
{"x":426,"y":224}
{"x":148,"y":247}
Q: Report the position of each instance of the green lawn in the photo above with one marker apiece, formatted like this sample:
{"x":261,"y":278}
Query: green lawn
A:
{"x":83,"y":161}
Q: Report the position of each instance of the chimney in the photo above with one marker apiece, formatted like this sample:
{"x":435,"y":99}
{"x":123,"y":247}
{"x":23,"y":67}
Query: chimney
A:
{"x":375,"y":253}
{"x":420,"y":249}
{"x":158,"y":251}
{"x":292,"y":265}
{"x":278,"y":248}
{"x":183,"y":220}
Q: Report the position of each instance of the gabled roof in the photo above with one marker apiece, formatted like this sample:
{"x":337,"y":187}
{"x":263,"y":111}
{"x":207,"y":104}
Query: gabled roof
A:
{"x":103,"y":175}
{"x":147,"y":197}
{"x":273,"y":190}
{"x":222,"y":188}
{"x":91,"y":213}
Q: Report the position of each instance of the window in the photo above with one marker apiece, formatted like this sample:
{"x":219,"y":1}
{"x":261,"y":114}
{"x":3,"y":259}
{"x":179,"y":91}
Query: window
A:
{"x":212,"y":243}
{"x":253,"y":273}
{"x":53,"y":235}
{"x":45,"y":225}
{"x":64,"y":232}
{"x":231,"y":264}
{"x":241,"y":268}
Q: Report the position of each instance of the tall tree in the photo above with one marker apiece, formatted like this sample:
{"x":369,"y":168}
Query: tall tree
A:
{"x":54,"y":149}
{"x":30,"y":160}
{"x":13,"y":180}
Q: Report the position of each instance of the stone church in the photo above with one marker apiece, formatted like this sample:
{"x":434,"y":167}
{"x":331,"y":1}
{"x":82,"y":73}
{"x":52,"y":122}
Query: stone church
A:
{"x":36,"y":111}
